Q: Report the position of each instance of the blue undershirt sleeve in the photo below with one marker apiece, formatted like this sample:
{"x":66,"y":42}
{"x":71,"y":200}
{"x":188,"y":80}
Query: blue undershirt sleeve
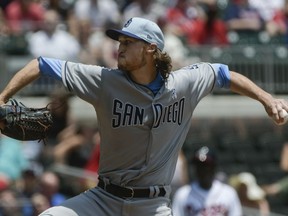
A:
{"x":51,"y":67}
{"x":223,"y":77}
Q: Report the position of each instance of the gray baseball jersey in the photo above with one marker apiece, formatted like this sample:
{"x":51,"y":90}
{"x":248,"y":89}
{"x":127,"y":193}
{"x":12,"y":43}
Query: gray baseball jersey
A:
{"x":141,"y":134}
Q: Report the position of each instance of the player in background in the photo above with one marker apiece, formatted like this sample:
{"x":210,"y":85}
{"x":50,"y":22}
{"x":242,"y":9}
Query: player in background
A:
{"x":144,"y":114}
{"x":206,"y":195}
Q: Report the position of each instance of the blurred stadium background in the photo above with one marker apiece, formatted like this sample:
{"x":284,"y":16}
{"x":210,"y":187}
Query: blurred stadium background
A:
{"x":237,"y":127}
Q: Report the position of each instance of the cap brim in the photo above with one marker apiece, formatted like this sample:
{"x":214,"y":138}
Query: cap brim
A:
{"x":114,"y":34}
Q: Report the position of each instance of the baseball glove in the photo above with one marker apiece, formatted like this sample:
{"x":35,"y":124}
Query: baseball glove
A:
{"x":24,"y":123}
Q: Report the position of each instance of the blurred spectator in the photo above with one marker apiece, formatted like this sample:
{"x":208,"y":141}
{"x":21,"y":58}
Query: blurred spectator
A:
{"x":5,"y":3}
{"x":63,"y":125}
{"x":4,"y":182}
{"x":50,"y":186}
{"x":211,"y":29}
{"x":59,"y":104}
{"x":183,"y":17}
{"x":243,"y":20}
{"x":122,"y":4}
{"x":206,"y":195}
{"x":28,"y":184}
{"x":63,"y":7}
{"x":250,"y":193}
{"x":148,"y":9}
{"x":53,"y":41}
{"x":39,"y":203}
{"x":101,"y":50}
{"x":75,"y":148}
{"x":9,"y":205}
{"x":280,"y":187}
{"x":3,"y":30}
{"x":179,"y":53}
{"x":284,"y":157}
{"x":92,"y":15}
{"x":24,"y":15}
{"x":26,"y":187}
{"x":12,"y":160}
{"x":278,"y":25}
{"x":92,"y":164}
{"x":267,"y":8}
{"x":181,"y":175}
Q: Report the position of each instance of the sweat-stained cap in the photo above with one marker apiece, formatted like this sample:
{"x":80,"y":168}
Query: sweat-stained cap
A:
{"x":142,"y":29}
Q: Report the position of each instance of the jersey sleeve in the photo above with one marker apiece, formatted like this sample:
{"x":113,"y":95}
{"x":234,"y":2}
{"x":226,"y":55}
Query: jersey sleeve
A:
{"x":201,"y":79}
{"x":51,"y":67}
{"x":83,"y":80}
{"x":222,"y":76}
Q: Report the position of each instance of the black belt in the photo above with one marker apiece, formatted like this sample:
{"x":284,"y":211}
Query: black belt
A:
{"x":128,"y":192}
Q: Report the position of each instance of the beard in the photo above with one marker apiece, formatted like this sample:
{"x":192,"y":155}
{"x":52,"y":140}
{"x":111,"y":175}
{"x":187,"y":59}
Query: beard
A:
{"x":132,"y":65}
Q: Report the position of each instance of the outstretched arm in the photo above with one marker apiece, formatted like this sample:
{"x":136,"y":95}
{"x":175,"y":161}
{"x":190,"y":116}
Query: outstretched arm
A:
{"x":22,"y":78}
{"x":244,"y":86}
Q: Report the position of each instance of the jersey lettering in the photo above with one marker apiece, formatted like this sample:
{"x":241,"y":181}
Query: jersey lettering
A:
{"x":214,"y":210}
{"x":126,"y":114}
{"x":191,"y":67}
{"x":171,"y":113}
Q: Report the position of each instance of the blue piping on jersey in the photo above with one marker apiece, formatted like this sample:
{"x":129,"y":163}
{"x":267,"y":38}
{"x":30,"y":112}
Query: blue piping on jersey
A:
{"x":51,"y":67}
{"x":223,"y":78}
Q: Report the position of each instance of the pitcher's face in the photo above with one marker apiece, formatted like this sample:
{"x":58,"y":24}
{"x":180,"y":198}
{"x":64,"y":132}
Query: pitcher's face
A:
{"x":131,"y":53}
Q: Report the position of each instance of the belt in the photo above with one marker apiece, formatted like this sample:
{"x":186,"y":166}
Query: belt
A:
{"x":129,"y":193}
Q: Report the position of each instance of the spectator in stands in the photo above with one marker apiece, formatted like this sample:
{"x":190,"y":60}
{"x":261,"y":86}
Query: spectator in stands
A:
{"x":4,"y":3}
{"x":12,"y":160}
{"x":148,"y":9}
{"x":206,"y":195}
{"x":266,"y":8}
{"x":49,"y":187}
{"x":174,"y":45}
{"x":24,"y":16}
{"x":280,"y":187}
{"x":39,"y":203}
{"x":26,"y":187}
{"x":92,"y":15}
{"x":59,"y":104}
{"x":63,"y":7}
{"x":92,"y":164}
{"x":100,"y":50}
{"x":63,"y":123}
{"x":183,"y":16}
{"x":181,"y":175}
{"x":76,"y":150}
{"x":211,"y":29}
{"x":9,"y":205}
{"x":4,"y":33}
{"x":250,"y":193}
{"x":278,"y":25}
{"x":53,"y":41}
{"x":75,"y":147}
{"x":243,"y":20}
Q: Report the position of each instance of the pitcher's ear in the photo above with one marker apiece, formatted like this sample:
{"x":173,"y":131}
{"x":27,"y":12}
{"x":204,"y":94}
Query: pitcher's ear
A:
{"x":152,"y":48}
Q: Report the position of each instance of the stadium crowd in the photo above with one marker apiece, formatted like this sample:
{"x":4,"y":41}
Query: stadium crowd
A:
{"x":74,"y":30}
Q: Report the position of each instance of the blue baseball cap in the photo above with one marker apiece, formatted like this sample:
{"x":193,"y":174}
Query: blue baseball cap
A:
{"x":141,"y":29}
